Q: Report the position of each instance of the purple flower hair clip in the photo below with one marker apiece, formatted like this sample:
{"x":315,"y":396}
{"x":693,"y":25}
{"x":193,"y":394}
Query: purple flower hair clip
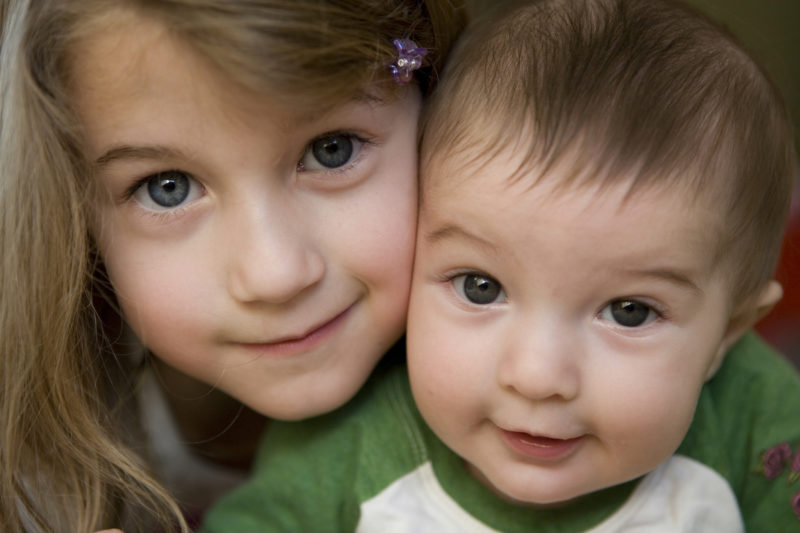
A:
{"x":409,"y":59}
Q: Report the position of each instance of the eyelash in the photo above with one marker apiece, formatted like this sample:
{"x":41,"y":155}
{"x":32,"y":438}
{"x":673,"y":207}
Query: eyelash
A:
{"x":661,"y":312}
{"x":128,"y":194}
{"x":364,"y":141}
{"x":162,"y":215}
{"x":449,"y":278}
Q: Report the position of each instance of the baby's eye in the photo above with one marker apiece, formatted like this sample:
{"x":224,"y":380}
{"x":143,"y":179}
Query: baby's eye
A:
{"x":330,"y":151}
{"x":628,"y":313}
{"x":167,"y":190}
{"x":479,"y":289}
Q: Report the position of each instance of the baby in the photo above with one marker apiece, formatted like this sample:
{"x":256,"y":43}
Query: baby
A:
{"x":604,"y":189}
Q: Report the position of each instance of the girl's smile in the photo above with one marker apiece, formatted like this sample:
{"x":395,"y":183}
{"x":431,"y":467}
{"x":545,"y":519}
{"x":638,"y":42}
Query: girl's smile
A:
{"x":295,"y":345}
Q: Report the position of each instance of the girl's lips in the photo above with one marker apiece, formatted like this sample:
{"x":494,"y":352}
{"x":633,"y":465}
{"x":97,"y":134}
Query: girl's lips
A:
{"x":539,"y":447}
{"x":292,"y":346}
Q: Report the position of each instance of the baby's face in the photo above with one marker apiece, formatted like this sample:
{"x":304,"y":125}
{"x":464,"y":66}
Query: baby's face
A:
{"x":558,"y":340}
{"x":262,"y":249}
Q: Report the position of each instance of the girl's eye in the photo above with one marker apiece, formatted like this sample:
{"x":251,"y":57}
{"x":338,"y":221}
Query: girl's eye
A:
{"x":628,"y":313}
{"x":167,"y":190}
{"x":479,"y":289}
{"x":330,"y":151}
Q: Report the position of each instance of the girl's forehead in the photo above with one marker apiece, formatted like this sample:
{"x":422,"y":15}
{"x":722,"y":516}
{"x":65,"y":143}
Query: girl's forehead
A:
{"x":125,"y":51}
{"x":125,"y":63}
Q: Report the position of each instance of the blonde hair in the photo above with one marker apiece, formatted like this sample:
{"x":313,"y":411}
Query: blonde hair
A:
{"x":643,"y":90}
{"x":64,"y":464}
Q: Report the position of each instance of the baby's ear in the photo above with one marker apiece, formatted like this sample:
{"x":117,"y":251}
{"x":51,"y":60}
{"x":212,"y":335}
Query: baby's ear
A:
{"x":745,"y":317}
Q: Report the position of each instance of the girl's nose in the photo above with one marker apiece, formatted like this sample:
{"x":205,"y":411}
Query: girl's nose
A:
{"x":273,"y":256}
{"x":541,"y":361}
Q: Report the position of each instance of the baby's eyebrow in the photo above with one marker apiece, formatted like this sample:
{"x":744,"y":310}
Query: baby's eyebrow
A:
{"x":137,"y":152}
{"x":670,"y":275}
{"x":454,"y":231}
{"x":673,"y":276}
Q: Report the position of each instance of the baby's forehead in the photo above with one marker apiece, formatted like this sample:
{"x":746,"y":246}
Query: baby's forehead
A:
{"x":520,"y":165}
{"x":606,"y":228}
{"x":504,"y":180}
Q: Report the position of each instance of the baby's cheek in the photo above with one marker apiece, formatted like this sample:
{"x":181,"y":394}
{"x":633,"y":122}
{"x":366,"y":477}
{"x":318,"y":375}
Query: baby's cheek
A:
{"x":443,"y":385}
{"x":650,"y":428}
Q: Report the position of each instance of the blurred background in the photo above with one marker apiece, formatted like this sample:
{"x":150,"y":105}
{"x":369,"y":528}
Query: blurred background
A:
{"x":770,"y":30}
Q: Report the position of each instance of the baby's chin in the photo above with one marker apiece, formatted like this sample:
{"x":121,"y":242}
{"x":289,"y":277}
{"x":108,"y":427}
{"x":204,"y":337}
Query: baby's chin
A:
{"x":522,"y":494}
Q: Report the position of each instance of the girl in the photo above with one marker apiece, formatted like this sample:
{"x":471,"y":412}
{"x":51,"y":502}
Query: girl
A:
{"x":237,"y":179}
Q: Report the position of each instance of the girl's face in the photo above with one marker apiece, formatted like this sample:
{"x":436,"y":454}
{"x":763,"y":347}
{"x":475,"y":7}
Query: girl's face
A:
{"x":264,"y":249}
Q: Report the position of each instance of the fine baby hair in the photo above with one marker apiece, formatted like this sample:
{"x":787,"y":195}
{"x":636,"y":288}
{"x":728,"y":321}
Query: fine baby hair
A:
{"x":68,"y":453}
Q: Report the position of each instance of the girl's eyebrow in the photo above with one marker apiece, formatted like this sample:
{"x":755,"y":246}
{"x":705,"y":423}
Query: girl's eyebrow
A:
{"x":158,"y":152}
{"x":341,"y":109}
{"x":137,"y":152}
